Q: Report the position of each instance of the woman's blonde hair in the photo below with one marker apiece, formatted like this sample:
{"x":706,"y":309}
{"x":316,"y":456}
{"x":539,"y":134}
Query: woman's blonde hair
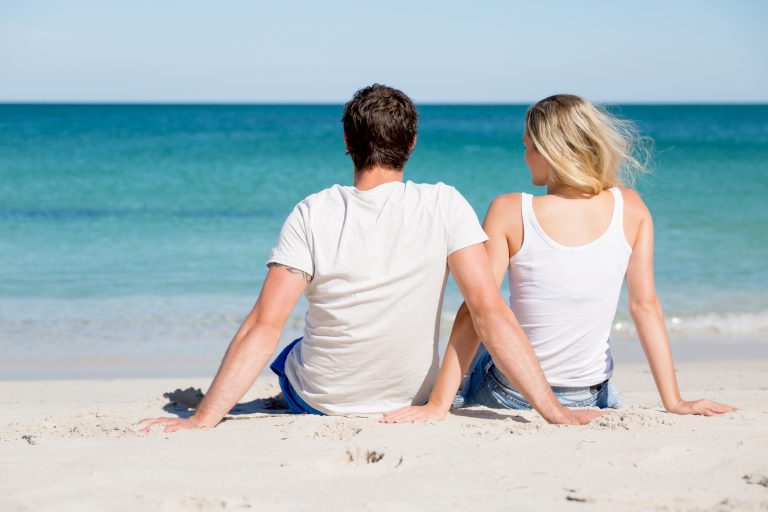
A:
{"x":586,"y":147}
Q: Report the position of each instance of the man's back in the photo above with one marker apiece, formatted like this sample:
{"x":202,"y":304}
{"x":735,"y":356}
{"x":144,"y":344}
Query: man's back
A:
{"x":378,"y":264}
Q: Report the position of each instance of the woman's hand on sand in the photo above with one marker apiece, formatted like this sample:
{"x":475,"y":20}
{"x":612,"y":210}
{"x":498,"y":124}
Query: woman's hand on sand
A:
{"x":414,"y":414}
{"x":701,"y":407}
{"x":173,"y":424}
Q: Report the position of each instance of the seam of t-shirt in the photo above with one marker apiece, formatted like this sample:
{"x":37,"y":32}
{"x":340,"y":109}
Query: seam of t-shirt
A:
{"x":288,"y":262}
{"x":469,"y":242}
{"x":465,"y":243}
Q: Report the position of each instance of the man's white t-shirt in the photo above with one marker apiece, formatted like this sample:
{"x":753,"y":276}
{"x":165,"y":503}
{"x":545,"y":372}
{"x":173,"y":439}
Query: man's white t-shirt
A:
{"x":378,"y":264}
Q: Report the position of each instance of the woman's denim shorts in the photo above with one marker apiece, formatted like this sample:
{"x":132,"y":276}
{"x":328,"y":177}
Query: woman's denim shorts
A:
{"x":486,"y":385}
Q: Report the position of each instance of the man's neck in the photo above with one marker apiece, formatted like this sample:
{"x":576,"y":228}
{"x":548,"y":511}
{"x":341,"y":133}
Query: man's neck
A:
{"x":372,"y":177}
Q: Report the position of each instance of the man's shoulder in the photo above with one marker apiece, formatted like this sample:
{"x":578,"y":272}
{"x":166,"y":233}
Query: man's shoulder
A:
{"x":331,"y":194}
{"x":439,"y":190}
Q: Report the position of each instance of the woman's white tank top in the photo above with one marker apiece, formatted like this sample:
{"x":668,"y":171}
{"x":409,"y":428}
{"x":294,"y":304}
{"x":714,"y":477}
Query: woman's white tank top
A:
{"x":565,"y":298}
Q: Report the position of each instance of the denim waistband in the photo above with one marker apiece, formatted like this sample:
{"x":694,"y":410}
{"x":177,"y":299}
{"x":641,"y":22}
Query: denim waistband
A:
{"x":566,"y":390}
{"x":561,"y":390}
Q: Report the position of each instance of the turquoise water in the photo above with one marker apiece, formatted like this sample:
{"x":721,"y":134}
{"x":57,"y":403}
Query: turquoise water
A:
{"x":129,"y":229}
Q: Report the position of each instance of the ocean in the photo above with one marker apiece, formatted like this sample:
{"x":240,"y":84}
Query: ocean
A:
{"x":142,"y":230}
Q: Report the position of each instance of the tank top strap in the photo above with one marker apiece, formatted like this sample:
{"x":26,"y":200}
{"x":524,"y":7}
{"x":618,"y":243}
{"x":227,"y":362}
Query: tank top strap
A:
{"x":526,"y":210}
{"x":530,"y":232}
{"x":617,"y":218}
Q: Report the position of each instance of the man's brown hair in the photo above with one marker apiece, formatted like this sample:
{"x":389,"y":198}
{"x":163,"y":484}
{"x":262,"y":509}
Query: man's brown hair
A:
{"x":380,"y":127}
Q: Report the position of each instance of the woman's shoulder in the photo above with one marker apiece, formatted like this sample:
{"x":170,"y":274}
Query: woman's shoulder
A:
{"x":635,"y":215}
{"x":634,"y":206}
{"x":504,"y":216}
{"x":512,"y":200}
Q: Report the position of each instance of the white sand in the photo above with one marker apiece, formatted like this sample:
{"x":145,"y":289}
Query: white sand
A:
{"x":71,"y":445}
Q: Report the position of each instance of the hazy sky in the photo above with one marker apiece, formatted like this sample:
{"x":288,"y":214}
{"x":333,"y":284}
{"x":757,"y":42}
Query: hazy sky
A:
{"x":436,"y":51}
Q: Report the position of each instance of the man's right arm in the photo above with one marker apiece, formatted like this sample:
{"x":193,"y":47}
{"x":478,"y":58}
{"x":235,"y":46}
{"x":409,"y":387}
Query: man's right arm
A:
{"x":249,"y":351}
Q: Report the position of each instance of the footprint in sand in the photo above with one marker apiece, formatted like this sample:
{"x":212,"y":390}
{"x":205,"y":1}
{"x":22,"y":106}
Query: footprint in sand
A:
{"x":336,"y":432}
{"x":323,"y":428}
{"x":627,"y":419}
{"x":202,"y":504}
{"x":756,"y":479}
{"x":358,"y":459}
{"x":361,"y":457}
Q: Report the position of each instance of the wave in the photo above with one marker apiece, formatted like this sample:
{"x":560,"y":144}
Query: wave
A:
{"x":204,"y":325}
{"x":734,"y":323}
{"x":752,"y":323}
{"x":712,"y":324}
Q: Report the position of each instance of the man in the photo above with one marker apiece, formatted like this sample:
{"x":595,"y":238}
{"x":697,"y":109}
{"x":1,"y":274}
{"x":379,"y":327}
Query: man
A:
{"x":373,"y":261}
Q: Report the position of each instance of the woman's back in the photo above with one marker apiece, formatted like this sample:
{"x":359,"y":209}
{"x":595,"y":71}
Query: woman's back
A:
{"x":567,"y":254}
{"x":565,"y":277}
{"x":574,"y":221}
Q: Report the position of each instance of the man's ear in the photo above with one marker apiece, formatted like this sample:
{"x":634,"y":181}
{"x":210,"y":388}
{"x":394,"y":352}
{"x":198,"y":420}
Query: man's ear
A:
{"x":346,"y":144}
{"x":410,"y":150}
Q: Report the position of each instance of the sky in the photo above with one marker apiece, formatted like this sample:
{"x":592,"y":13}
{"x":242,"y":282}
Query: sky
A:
{"x":650,"y":51}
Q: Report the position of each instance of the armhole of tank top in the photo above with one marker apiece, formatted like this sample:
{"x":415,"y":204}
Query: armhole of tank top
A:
{"x":525,"y":222}
{"x":617,"y":219}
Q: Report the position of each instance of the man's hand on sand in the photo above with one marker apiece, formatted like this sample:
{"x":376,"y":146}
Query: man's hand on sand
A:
{"x":173,"y":424}
{"x":701,"y":407}
{"x":414,"y":414}
{"x":576,"y":416}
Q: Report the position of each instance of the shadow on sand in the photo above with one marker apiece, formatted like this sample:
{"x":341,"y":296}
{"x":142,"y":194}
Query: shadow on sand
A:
{"x":488,"y":414}
{"x":182,"y":403}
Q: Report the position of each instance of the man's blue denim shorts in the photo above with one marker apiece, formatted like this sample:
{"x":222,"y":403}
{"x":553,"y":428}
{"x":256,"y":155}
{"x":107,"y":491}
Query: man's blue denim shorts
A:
{"x":294,"y":401}
{"x":486,"y":386}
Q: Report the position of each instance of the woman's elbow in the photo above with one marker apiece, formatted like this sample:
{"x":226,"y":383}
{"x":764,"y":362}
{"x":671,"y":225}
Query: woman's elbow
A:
{"x":641,"y":306}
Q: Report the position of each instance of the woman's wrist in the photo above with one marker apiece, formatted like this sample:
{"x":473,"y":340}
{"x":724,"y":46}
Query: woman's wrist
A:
{"x":673,"y":405}
{"x":438,"y":405}
{"x":437,"y":411}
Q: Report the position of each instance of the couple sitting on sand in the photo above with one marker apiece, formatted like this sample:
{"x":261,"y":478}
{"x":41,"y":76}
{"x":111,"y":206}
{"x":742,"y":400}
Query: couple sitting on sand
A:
{"x":373,"y":260}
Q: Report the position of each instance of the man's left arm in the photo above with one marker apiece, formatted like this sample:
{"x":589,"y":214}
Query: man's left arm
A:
{"x":249,"y":351}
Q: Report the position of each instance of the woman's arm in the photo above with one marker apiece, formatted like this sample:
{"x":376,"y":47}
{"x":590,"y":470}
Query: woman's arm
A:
{"x":645,"y":309}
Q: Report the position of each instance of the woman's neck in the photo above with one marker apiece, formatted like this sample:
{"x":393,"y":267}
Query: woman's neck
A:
{"x":566,"y":192}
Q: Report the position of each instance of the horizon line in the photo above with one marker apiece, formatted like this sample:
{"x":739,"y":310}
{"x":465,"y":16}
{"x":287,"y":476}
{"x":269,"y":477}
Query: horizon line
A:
{"x":334,"y":104}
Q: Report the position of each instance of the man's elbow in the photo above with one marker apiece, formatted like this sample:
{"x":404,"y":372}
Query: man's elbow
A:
{"x":260,"y":335}
{"x":487,"y":313}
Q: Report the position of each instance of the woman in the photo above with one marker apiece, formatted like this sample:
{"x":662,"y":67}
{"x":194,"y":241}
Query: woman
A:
{"x":567,"y":254}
